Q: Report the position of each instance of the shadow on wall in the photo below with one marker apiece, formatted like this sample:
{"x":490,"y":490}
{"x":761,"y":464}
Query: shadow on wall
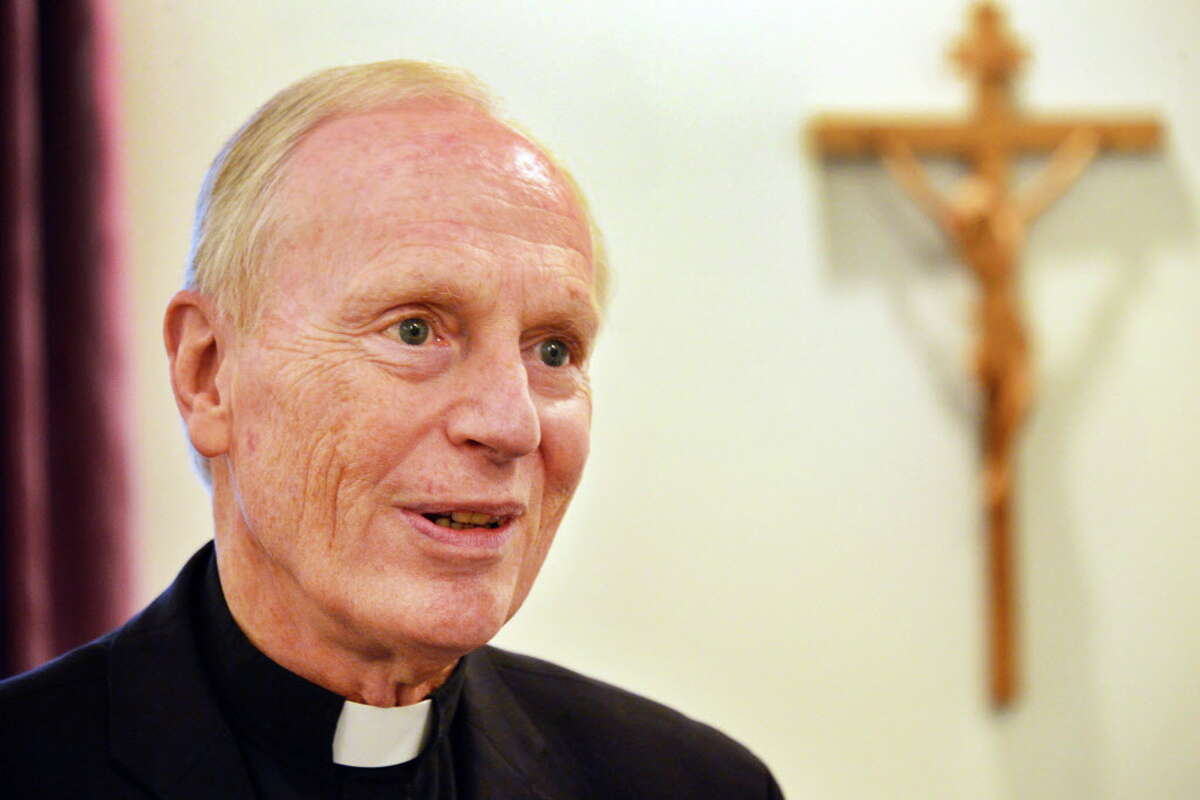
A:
{"x":1121,"y":212}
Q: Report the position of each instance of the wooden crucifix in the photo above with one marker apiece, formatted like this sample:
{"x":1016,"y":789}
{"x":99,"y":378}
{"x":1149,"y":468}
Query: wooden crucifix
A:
{"x":985,"y":220}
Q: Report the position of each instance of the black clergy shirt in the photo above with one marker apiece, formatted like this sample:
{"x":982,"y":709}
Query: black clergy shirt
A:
{"x":178,"y":705}
{"x":284,"y":725}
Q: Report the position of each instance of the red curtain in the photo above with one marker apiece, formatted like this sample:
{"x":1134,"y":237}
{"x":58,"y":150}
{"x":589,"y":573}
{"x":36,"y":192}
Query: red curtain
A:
{"x":64,"y":465}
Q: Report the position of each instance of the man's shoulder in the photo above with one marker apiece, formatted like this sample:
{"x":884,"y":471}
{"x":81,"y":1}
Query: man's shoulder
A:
{"x":617,"y":734}
{"x":70,"y":680}
{"x":55,"y":715}
{"x":63,"y":712}
{"x":581,"y":697}
{"x":86,"y":669}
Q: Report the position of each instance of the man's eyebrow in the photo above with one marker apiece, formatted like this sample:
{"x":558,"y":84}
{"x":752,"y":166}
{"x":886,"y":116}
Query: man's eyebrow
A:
{"x":367,"y":298}
{"x":579,"y":318}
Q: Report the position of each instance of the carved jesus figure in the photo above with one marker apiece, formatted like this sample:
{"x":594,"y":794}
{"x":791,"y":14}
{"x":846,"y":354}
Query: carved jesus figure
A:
{"x":986,"y":225}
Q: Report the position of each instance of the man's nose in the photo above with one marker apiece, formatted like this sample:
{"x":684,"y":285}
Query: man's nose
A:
{"x":496,"y":412}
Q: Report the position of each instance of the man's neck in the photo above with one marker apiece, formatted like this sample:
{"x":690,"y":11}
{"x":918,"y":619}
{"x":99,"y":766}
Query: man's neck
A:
{"x":283,"y":624}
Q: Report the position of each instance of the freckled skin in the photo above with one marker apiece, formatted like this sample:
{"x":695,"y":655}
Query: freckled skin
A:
{"x":335,"y":424}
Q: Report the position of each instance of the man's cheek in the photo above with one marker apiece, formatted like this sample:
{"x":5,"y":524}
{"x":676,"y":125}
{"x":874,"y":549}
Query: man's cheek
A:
{"x":566,"y":434}
{"x":292,"y":447}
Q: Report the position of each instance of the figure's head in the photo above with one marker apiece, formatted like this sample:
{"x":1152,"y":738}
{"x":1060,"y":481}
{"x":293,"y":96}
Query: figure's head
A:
{"x":976,"y":198}
{"x":382,"y":354}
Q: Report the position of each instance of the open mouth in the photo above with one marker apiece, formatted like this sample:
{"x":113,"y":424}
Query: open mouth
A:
{"x":465,"y":520}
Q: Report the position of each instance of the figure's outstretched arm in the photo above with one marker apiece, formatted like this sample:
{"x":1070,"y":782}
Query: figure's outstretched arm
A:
{"x":903,"y":165}
{"x":1068,"y":161}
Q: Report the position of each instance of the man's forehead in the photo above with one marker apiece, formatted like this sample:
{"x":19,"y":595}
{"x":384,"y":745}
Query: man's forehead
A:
{"x":394,"y":147}
{"x":368,"y":189}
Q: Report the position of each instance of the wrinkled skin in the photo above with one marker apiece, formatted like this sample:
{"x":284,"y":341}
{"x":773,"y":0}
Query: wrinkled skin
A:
{"x":330,"y":435}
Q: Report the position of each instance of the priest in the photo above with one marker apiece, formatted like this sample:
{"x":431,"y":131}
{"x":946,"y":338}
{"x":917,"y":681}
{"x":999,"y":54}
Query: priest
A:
{"x":380,"y":357}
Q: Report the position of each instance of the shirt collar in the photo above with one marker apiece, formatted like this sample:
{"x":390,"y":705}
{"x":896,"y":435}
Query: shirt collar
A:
{"x":369,"y":736}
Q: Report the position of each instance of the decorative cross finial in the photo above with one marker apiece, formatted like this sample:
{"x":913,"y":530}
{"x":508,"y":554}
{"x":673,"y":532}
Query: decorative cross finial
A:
{"x":989,"y":52}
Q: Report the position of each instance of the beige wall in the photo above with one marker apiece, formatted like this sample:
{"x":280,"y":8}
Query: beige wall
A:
{"x":778,"y":532}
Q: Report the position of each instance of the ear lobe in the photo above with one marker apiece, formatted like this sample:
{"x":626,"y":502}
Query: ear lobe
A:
{"x":196,"y":354}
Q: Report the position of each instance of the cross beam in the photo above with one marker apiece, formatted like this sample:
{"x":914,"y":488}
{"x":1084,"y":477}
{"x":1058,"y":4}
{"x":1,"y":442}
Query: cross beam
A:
{"x":862,"y":135}
{"x":985,"y":221}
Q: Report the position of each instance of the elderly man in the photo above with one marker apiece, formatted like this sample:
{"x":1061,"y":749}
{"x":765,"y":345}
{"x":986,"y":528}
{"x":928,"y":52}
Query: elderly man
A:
{"x":381,"y":359}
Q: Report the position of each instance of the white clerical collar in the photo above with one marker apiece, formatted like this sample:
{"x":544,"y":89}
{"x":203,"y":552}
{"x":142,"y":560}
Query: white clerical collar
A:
{"x":370,"y":736}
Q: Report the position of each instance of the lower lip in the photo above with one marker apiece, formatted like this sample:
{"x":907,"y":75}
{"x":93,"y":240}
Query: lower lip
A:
{"x":481,"y":541}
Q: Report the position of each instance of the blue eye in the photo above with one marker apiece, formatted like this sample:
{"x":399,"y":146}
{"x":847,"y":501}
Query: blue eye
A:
{"x":554,"y":352}
{"x":413,"y":331}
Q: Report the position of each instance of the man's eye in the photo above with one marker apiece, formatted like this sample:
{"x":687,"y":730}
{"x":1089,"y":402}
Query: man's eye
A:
{"x":413,"y":331}
{"x":554,"y":352}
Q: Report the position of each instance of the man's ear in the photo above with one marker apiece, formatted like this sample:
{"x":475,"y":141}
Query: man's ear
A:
{"x":196,"y":352}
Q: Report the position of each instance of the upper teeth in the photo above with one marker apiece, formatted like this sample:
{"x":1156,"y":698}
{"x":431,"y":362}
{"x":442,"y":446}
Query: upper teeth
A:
{"x":467,"y":519}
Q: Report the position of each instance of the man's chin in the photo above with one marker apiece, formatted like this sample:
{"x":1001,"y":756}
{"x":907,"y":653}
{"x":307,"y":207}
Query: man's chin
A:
{"x":444,"y":635}
{"x":440,"y":646}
